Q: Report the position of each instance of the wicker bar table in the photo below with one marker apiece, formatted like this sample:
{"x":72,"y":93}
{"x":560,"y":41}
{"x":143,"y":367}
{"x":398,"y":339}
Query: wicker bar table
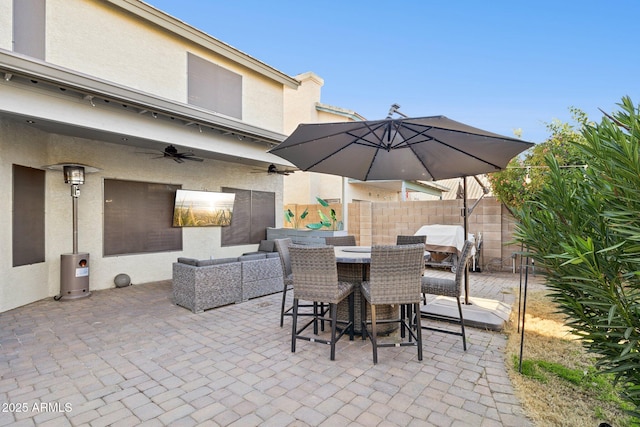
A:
{"x":353,"y":266}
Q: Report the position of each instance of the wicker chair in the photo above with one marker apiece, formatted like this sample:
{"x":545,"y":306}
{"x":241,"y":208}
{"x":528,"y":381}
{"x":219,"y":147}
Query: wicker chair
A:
{"x":282,"y":247}
{"x":449,"y":288}
{"x":315,"y":278}
{"x":341,"y":240}
{"x":410,"y":240}
{"x":394,"y":279}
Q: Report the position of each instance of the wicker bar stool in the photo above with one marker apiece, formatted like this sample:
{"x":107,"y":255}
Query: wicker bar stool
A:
{"x":412,"y":240}
{"x":349,"y":240}
{"x":315,"y":278}
{"x":394,"y":279}
{"x":282,"y":247}
{"x":449,"y":288}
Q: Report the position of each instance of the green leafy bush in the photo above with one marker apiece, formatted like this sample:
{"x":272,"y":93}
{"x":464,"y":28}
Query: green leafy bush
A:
{"x":582,"y":228}
{"x":526,"y":175}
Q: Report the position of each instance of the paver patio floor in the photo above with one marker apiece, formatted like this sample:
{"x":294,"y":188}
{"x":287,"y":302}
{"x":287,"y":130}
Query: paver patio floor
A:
{"x":129,"y":356}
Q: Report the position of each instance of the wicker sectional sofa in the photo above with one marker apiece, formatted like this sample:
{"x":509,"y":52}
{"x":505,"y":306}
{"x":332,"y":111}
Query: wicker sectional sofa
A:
{"x":204,"y":284}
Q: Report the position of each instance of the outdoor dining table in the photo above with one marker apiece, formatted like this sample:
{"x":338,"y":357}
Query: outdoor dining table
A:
{"x":353,"y":264}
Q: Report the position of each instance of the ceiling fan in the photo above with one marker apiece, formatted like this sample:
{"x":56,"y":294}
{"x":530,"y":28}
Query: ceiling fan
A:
{"x":172,"y":153}
{"x":272,"y":169}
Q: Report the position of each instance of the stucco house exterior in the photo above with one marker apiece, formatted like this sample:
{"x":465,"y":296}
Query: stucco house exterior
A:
{"x":110,"y":84}
{"x":115,"y":85}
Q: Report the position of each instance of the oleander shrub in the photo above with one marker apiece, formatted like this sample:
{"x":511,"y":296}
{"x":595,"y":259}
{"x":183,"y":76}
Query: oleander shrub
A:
{"x":582,"y":228}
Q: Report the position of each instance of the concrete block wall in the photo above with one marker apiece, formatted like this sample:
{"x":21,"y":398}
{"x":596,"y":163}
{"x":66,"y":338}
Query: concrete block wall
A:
{"x":509,"y":249}
{"x":380,"y":222}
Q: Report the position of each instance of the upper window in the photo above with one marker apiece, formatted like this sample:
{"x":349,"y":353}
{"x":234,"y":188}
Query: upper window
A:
{"x":28,"y":27}
{"x":213,"y":87}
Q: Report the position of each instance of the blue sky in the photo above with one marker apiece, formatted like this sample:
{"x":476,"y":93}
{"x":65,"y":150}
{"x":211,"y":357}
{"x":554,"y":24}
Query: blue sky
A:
{"x":497,"y":65}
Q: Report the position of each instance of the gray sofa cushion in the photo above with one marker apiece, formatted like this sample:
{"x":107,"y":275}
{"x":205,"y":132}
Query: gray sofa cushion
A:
{"x":267,"y":246}
{"x":252,"y":257}
{"x":217,"y":261}
{"x":205,"y":262}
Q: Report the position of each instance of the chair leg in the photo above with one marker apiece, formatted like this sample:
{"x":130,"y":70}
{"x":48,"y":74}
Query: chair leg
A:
{"x":374,"y":334}
{"x":294,"y":325}
{"x":418,"y":329}
{"x":403,"y":315}
{"x":363,"y":317}
{"x":284,"y":299}
{"x":352,"y":307}
{"x":333,"y":309}
{"x":464,"y":337}
{"x":408,"y":320}
{"x":322,"y":312}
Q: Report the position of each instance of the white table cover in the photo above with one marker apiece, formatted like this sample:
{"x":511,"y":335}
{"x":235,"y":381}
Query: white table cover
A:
{"x":445,"y":236}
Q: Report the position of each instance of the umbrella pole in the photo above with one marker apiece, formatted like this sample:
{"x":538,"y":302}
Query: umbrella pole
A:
{"x":466,"y":234}
{"x":345,"y":207}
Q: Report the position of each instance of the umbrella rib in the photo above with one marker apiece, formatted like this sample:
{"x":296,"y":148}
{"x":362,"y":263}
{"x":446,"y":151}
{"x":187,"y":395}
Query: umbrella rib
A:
{"x":331,"y":135}
{"x":428,"y":128}
{"x":358,"y":140}
{"x":378,"y":146}
{"x":466,"y":153}
{"x":446,"y":129}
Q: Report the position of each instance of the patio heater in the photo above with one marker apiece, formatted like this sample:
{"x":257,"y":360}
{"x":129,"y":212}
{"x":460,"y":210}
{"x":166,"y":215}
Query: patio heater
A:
{"x":74,"y":267}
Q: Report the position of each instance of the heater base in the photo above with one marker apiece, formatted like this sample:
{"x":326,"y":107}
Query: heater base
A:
{"x":74,"y":276}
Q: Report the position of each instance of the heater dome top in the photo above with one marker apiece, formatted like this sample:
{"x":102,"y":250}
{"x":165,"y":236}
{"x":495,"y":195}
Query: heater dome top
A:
{"x":60,"y":167}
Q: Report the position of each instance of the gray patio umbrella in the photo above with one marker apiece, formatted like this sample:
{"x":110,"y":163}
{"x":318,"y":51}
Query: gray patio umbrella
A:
{"x":423,"y":148}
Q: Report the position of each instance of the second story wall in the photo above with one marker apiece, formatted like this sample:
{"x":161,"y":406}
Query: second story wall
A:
{"x":300,"y":103}
{"x":6,"y":29}
{"x":102,"y":39}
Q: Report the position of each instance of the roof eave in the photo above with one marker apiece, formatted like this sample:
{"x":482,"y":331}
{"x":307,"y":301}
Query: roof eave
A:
{"x":16,"y":64}
{"x":339,"y":111}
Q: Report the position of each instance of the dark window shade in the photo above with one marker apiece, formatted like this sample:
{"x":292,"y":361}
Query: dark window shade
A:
{"x":263,"y":214}
{"x":138,"y":217}
{"x":29,"y":27}
{"x":213,"y":87}
{"x":253,"y":212}
{"x":238,"y":233}
{"x":28,"y":215}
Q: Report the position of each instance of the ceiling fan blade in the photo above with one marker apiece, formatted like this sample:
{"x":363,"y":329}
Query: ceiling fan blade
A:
{"x":194,"y":159}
